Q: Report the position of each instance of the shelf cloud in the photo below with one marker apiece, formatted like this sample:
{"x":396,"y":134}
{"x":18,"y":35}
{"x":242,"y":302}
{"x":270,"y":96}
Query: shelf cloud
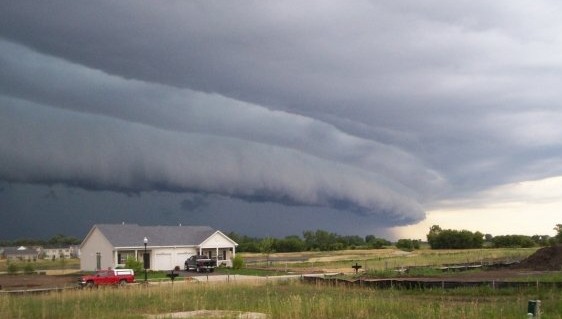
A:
{"x":364,"y":109}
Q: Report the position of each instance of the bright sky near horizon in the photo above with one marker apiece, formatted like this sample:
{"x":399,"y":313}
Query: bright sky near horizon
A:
{"x":525,"y":208}
{"x":271,"y":118}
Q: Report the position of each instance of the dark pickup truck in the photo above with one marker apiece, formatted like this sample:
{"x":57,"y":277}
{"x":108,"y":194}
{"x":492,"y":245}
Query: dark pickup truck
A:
{"x":200,"y":263}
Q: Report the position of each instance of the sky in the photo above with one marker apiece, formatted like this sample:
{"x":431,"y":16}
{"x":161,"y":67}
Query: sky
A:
{"x":270,"y":118}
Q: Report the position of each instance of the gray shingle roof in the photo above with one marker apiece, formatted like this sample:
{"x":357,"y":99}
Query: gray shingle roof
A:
{"x":132,"y":235}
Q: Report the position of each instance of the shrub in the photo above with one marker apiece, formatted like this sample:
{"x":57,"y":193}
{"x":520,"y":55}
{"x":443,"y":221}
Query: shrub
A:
{"x":237,"y":262}
{"x":135,"y":265}
{"x":12,"y":268}
{"x":28,"y":268}
{"x":408,"y":244}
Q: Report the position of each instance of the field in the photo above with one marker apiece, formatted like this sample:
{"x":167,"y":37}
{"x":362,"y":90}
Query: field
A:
{"x":286,"y":299}
{"x":60,"y":265}
{"x":381,"y":259}
{"x":295,"y":299}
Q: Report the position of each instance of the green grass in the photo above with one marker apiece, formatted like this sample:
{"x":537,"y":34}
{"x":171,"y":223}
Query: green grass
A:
{"x":282,"y":300}
{"x":41,"y":264}
{"x":543,"y":277}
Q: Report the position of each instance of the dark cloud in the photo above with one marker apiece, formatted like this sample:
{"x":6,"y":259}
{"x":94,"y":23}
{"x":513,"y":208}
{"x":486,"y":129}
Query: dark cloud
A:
{"x":102,"y":153}
{"x":194,"y":203}
{"x":374,"y":109}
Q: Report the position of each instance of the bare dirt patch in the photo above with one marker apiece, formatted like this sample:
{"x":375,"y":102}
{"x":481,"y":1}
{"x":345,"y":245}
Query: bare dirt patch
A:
{"x":16,"y":282}
{"x":200,"y":314}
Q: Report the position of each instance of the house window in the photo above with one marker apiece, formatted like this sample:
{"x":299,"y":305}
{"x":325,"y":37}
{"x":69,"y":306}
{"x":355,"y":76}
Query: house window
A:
{"x":122,"y":256}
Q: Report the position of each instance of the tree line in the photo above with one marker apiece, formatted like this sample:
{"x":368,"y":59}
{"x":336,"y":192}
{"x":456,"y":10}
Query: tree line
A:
{"x":438,"y":238}
{"x":58,"y":240}
{"x":319,"y":240}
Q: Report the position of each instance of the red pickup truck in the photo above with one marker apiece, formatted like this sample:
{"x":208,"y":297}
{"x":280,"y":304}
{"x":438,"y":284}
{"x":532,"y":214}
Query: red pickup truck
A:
{"x":119,"y":277}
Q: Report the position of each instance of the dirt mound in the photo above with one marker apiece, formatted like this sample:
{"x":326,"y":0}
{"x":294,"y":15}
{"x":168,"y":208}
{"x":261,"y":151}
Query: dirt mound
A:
{"x":547,"y":258}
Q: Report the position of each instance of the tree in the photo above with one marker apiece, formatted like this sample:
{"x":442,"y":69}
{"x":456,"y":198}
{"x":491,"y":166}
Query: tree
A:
{"x":245,"y":243}
{"x":408,"y":244}
{"x":350,"y":241}
{"x":322,"y":240}
{"x":454,"y":239}
{"x":433,"y":236}
{"x":513,"y":241}
{"x":60,"y":240}
{"x":289,"y":244}
{"x":266,"y":246}
{"x":558,"y":236}
{"x":376,"y":243}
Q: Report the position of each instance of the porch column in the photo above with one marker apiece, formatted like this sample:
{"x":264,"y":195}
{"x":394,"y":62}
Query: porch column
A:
{"x":217,"y":252}
{"x":115,"y":260}
{"x":233,"y":251}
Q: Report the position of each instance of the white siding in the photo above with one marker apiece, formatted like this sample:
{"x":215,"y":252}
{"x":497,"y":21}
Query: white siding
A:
{"x":94,"y":243}
{"x":162,"y":261}
{"x":217,"y":240}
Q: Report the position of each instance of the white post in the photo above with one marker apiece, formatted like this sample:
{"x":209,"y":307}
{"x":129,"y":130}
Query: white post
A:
{"x":115,"y":260}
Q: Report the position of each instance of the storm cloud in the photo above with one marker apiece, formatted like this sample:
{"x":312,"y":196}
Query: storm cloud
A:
{"x":371,"y":108}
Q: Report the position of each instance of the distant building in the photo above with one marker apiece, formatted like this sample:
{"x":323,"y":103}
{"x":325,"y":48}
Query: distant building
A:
{"x":21,"y":253}
{"x":57,"y":253}
{"x":109,"y":246}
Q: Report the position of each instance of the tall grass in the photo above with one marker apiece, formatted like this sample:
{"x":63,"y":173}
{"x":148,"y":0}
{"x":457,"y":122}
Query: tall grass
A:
{"x":41,"y":264}
{"x":282,"y":300}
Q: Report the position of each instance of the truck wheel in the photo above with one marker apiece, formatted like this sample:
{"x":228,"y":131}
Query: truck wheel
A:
{"x":122,"y":283}
{"x":90,"y":284}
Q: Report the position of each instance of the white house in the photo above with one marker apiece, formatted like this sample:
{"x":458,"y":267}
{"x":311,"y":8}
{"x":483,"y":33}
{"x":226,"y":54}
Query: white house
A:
{"x":109,"y":246}
{"x":21,"y":253}
{"x":57,"y":253}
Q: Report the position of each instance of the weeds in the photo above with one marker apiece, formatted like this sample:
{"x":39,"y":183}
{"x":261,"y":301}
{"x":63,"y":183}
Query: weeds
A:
{"x":287,"y":300}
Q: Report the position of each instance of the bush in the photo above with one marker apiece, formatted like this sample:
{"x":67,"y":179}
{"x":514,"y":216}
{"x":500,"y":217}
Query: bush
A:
{"x":28,"y":268}
{"x":408,"y":244}
{"x":135,"y":265}
{"x":237,"y":262}
{"x":12,"y":268}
